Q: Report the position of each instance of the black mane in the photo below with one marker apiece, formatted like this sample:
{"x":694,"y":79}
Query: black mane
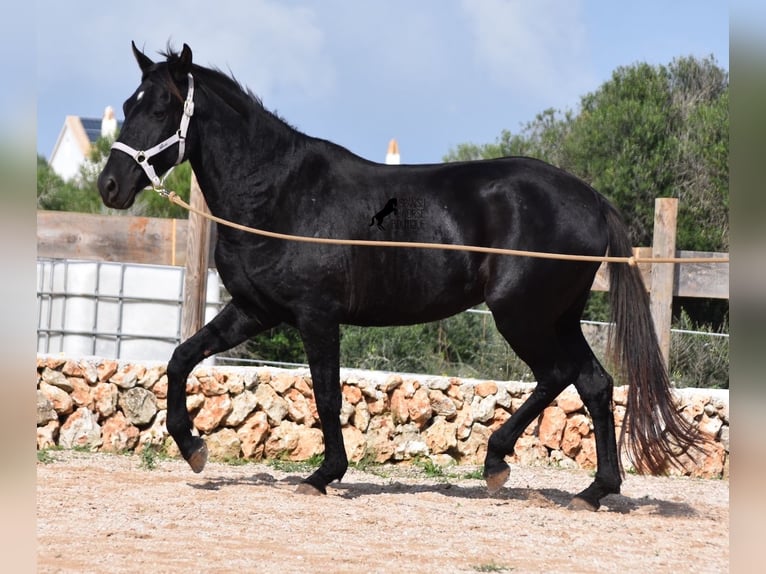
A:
{"x":238,"y":97}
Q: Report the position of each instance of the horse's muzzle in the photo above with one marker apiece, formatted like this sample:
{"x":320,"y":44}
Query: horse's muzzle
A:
{"x":112,"y":194}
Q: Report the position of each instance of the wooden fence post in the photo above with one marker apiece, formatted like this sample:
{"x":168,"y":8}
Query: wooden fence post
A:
{"x":195,"y":275}
{"x":661,"y":293}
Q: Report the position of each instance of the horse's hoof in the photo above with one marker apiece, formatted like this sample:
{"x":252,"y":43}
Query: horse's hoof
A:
{"x":308,"y":489}
{"x":496,"y":481}
{"x":198,"y":458}
{"x":578,"y":503}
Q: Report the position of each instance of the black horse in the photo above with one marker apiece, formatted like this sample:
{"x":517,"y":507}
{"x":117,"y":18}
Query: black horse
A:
{"x":256,"y":170}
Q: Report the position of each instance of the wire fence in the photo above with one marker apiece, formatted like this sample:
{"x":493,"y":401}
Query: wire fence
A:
{"x":133,"y":312}
{"x":604,"y":324}
{"x":698,"y":358}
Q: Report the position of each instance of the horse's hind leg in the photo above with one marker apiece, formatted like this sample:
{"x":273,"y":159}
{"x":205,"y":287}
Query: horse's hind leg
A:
{"x":595,"y":387}
{"x":537,"y":350}
{"x":229,"y":328}
{"x":558,"y":359}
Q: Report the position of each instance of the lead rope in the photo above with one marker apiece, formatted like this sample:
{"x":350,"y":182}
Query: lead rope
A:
{"x":158,"y":184}
{"x":173,"y":197}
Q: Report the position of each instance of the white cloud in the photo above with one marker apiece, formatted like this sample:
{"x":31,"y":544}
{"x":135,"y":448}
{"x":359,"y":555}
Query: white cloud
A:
{"x":538,"y":49}
{"x":266,"y":44}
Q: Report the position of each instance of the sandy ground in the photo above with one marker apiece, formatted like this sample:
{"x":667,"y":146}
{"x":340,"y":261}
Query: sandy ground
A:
{"x":109,"y":513}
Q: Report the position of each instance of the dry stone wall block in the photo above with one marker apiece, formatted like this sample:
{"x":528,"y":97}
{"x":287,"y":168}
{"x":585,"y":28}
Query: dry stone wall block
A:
{"x":139,"y":405}
{"x":81,"y":430}
{"x":267,"y":412}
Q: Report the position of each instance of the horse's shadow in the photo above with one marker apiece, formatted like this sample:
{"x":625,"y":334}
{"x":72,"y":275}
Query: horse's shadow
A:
{"x":540,"y":497}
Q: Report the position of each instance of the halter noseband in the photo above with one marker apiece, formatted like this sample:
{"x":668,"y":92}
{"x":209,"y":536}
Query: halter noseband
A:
{"x":142,"y":157}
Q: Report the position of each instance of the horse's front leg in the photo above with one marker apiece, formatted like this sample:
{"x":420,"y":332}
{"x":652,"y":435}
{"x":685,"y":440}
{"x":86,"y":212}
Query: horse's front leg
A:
{"x":322,"y":344}
{"x":229,"y":328}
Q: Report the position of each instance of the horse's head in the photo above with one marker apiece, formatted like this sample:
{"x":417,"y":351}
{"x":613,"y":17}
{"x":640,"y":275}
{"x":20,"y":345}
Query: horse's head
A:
{"x":154,"y":133}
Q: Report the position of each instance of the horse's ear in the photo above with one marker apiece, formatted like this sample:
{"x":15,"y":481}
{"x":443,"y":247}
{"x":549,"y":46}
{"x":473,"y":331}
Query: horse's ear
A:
{"x":183,"y":65}
{"x":144,"y":62}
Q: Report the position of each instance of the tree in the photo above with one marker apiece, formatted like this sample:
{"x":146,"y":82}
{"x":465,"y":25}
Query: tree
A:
{"x":650,"y":131}
{"x":55,"y":194}
{"x":543,"y":138}
{"x":656,"y":131}
{"x":661,"y":131}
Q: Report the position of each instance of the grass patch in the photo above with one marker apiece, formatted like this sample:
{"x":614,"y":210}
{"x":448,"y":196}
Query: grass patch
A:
{"x":433,"y":470}
{"x":236,"y":461}
{"x":44,"y":456}
{"x":294,"y":466}
{"x":366,"y":464}
{"x":476,"y":474}
{"x":151,"y":455}
{"x":492,"y":567}
{"x":430,"y":468}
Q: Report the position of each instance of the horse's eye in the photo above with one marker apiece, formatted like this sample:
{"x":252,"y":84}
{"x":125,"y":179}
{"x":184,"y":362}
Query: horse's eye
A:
{"x":160,"y":112}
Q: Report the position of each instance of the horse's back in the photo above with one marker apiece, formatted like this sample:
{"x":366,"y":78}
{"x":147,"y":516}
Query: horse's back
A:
{"x":511,"y":203}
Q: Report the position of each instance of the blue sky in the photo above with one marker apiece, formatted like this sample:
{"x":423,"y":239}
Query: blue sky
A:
{"x":431,"y":73}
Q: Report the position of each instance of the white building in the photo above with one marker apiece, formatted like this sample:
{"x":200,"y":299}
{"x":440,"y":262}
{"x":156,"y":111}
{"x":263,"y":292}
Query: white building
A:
{"x":75,"y":140}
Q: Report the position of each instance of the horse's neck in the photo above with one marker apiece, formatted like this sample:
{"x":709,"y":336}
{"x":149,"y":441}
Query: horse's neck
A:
{"x":238,"y":176}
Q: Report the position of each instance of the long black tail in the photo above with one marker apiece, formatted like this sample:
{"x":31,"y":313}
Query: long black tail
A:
{"x":657,"y":434}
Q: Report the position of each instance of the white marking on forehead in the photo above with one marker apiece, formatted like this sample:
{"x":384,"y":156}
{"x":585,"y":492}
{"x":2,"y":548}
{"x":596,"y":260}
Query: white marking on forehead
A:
{"x":139,"y":96}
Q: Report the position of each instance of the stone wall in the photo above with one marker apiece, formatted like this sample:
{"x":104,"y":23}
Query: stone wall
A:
{"x":264,"y":412}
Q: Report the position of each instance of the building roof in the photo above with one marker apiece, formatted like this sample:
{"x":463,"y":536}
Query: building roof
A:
{"x":92,"y":127}
{"x":74,"y":142}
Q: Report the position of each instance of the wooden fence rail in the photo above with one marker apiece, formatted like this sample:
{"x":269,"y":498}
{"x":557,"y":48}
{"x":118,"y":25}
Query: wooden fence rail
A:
{"x":127,"y":239}
{"x":120,"y":238}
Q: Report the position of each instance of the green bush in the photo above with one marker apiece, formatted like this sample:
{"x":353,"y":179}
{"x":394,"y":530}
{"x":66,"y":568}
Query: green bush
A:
{"x":699,"y":360}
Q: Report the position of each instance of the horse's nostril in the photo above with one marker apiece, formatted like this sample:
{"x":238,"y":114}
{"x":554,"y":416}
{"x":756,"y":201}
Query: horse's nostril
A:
{"x":108,"y":187}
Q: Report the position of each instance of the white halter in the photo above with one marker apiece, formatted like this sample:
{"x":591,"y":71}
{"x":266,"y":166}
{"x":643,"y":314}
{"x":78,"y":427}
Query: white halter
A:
{"x":179,"y":137}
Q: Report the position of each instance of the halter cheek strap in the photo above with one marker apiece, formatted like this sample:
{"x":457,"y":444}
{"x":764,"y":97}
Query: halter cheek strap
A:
{"x":142,"y":157}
